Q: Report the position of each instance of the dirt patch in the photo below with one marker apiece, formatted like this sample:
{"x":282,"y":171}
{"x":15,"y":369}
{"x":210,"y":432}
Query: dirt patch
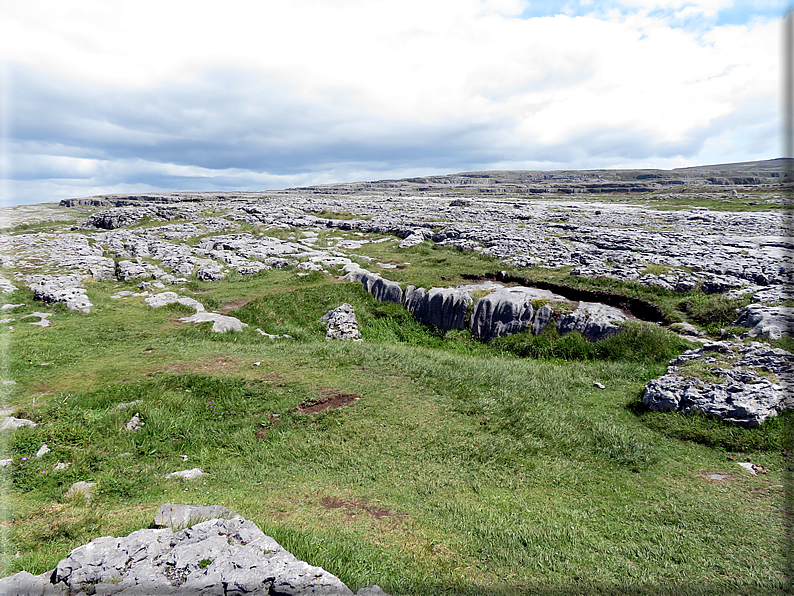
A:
{"x":230,"y":306}
{"x":327,"y":400}
{"x":351,"y":507}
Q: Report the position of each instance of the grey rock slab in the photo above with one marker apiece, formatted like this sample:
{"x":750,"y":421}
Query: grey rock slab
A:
{"x":11,"y":423}
{"x":43,"y":450}
{"x":42,"y":316}
{"x":443,"y":308}
{"x":6,"y":287}
{"x":542,"y":318}
{"x":27,"y":584}
{"x":220,"y":323}
{"x":11,"y":306}
{"x":165,"y":298}
{"x":766,"y":321}
{"x":179,"y":516}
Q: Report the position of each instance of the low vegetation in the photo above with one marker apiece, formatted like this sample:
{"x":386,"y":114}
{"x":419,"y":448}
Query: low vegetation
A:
{"x":460,"y":468}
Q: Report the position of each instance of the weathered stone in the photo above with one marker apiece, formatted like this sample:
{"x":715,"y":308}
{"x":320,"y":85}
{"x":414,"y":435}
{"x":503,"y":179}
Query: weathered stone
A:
{"x":81,"y":488}
{"x":191,"y":474}
{"x":126,"y":270}
{"x":593,"y":320}
{"x":745,"y":394}
{"x":766,"y":321}
{"x":210,"y":274}
{"x":216,"y":556}
{"x":443,"y":308}
{"x":11,"y":423}
{"x":220,"y":323}
{"x":503,"y":312}
{"x":61,"y":288}
{"x":340,"y":323}
{"x":542,"y":319}
{"x":135,"y":423}
{"x":42,"y":316}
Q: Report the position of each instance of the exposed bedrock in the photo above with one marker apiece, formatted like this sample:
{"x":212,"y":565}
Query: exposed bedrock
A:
{"x":217,"y":556}
{"x":509,"y":310}
{"x":381,"y":289}
{"x":443,"y":308}
{"x":744,"y":384}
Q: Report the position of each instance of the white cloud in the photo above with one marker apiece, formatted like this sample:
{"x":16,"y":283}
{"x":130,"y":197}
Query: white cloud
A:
{"x":308,"y":85}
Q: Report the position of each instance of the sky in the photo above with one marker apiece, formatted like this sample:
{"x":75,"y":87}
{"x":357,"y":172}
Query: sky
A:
{"x":102,"y":97}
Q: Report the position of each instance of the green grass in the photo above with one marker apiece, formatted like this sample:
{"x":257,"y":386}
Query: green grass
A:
{"x":465,"y":468}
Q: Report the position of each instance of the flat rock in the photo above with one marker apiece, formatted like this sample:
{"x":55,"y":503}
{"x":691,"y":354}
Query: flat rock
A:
{"x":220,"y":323}
{"x":191,"y":474}
{"x":11,"y":423}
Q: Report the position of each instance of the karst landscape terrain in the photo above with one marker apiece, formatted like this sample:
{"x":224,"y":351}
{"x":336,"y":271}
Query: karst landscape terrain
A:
{"x":513,"y":382}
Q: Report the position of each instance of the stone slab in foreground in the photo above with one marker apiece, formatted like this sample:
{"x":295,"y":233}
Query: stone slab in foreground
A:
{"x":216,"y":556}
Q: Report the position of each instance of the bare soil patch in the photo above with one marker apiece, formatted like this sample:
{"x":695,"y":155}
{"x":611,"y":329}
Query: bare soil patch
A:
{"x":351,"y":506}
{"x":329,"y":399}
{"x":227,"y":307}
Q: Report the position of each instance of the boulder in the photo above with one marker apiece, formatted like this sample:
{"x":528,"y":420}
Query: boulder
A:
{"x":340,"y":323}
{"x":595,"y":321}
{"x":216,"y":556}
{"x":180,"y":516}
{"x":503,"y":312}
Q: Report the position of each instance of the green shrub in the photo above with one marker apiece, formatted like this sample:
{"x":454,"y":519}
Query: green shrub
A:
{"x":711,"y":308}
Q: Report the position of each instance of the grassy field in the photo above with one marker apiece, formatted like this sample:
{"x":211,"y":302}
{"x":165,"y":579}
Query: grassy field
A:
{"x":457,"y":467}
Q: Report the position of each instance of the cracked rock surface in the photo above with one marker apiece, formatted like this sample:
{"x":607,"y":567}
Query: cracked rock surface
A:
{"x":744,"y":384}
{"x":218,"y":556}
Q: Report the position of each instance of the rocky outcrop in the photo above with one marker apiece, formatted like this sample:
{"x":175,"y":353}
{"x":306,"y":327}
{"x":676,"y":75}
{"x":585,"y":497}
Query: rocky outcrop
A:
{"x":443,"y":308}
{"x":340,"y":323}
{"x":61,"y":288}
{"x":216,"y":556}
{"x":504,"y":312}
{"x":383,"y":290}
{"x":744,"y":384}
{"x":593,"y":320}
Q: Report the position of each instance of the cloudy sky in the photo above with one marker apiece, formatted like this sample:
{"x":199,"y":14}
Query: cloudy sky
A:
{"x":123,"y":96}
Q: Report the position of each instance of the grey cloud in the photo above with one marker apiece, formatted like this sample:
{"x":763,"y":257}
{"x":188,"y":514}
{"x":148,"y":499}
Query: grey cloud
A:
{"x":263,"y":131}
